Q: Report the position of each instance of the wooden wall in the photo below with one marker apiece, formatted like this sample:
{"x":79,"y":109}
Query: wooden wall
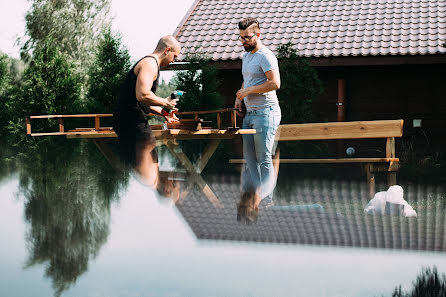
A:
{"x":376,"y":93}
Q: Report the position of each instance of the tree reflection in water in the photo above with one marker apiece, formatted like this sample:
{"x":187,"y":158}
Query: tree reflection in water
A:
{"x":68,"y":188}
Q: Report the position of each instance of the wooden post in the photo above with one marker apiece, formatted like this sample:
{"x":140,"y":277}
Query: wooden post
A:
{"x":390,"y":147}
{"x":390,"y":153}
{"x":233,"y":119}
{"x":97,"y":123}
{"x":61,"y":125}
{"x":28,"y":126}
{"x":218,"y":120}
{"x":196,"y":116}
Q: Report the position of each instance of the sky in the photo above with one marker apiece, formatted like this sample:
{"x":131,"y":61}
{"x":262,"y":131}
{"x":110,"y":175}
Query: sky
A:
{"x":140,"y":22}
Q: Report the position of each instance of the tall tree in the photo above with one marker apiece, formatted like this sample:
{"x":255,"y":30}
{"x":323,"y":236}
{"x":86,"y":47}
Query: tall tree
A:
{"x":50,"y":87}
{"x":112,"y":61}
{"x":74,"y":25}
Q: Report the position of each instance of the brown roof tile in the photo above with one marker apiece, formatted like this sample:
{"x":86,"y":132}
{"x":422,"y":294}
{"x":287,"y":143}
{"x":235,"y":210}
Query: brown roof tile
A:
{"x":318,"y":28}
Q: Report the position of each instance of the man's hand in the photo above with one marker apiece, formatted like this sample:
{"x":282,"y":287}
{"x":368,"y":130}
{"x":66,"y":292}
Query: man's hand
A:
{"x":171,"y":103}
{"x":242,"y":93}
{"x":238,"y":105}
{"x":171,"y":117}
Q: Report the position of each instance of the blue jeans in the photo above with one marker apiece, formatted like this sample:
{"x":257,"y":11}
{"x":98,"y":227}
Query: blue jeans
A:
{"x":259,"y":172}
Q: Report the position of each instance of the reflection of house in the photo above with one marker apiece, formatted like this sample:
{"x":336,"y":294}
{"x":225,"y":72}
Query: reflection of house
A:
{"x":341,"y":223}
{"x":389,"y":52}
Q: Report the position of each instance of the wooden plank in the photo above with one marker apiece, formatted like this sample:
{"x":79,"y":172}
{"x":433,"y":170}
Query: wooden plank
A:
{"x":205,"y":111}
{"x":340,"y":130}
{"x":71,"y":116}
{"x":322,"y":161}
{"x":159,"y":134}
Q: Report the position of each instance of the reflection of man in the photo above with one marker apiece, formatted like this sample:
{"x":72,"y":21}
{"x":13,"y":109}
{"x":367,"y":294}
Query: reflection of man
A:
{"x":137,"y":98}
{"x":261,"y":78}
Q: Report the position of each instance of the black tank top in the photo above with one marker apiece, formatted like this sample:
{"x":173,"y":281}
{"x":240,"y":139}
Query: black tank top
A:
{"x":131,"y":111}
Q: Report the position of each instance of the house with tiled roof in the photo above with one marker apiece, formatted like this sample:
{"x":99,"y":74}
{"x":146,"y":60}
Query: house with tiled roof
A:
{"x":387,"y":55}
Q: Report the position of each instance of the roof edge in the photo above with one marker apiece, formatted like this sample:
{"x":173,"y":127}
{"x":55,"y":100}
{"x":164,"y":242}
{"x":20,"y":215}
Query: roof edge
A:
{"x":337,"y":61}
{"x":185,"y":18}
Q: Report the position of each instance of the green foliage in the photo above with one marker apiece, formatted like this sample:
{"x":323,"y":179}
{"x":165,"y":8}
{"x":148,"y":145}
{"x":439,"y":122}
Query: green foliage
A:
{"x":50,"y":87}
{"x":4,"y":98}
{"x":165,"y":89}
{"x":75,"y":26}
{"x":106,"y":74}
{"x":200,"y":83}
{"x":69,"y":177}
{"x":300,"y":84}
{"x":429,"y":283}
{"x":3,"y":73}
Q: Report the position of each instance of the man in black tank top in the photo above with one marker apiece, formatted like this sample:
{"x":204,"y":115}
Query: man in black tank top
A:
{"x":137,"y":99}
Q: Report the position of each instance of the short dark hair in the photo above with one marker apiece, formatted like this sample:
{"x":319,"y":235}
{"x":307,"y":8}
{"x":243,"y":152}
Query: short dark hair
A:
{"x":248,"y":22}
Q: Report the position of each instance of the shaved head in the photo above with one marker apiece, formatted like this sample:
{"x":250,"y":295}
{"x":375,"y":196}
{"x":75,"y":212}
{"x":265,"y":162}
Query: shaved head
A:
{"x":166,"y":42}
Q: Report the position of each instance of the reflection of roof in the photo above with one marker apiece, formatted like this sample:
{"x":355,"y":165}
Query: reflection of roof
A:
{"x":343,"y":223}
{"x":319,"y":28}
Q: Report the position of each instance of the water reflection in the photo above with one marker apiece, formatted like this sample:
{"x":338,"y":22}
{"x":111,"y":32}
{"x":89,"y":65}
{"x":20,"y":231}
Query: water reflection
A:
{"x":320,"y":212}
{"x":68,"y":189}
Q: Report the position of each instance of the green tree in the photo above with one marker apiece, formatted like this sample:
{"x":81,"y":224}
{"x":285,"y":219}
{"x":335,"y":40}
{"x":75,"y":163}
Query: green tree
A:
{"x":300,"y":84}
{"x":75,"y":25}
{"x":106,"y":74}
{"x":200,"y":83}
{"x":165,"y":89}
{"x":50,"y":87}
{"x":4,"y":100}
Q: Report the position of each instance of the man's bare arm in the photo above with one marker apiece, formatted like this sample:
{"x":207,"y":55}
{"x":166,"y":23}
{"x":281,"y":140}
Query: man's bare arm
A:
{"x":146,"y":72}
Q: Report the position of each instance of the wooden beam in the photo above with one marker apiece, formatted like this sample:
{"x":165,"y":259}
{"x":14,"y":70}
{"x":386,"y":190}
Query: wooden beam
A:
{"x":342,"y":130}
{"x":71,"y":116}
{"x":194,"y":177}
{"x":328,"y":161}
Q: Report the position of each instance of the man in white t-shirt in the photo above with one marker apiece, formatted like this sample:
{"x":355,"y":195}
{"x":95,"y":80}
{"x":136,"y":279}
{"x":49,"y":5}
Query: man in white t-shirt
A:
{"x":261,"y":79}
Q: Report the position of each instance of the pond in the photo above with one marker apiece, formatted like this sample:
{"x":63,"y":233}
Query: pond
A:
{"x":72,"y":225}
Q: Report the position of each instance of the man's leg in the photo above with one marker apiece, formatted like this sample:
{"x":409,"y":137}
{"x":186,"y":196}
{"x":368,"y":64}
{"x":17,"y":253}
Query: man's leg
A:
{"x":251,"y":176}
{"x":266,"y":124}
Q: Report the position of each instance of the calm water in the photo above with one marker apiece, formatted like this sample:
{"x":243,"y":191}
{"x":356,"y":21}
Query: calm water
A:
{"x":71,"y":225}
